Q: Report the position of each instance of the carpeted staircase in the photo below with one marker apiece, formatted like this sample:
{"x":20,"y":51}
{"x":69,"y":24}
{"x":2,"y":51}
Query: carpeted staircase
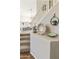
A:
{"x":24,"y":42}
{"x":25,"y":46}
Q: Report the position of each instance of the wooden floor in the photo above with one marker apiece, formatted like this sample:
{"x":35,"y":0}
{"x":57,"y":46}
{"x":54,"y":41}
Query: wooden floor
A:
{"x":26,"y":56}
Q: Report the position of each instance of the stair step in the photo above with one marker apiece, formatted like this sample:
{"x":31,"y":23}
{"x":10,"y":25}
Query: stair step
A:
{"x":26,"y":44}
{"x":24,"y":51}
{"x":23,"y":37}
{"x":24,"y":34}
{"x":24,"y":47}
{"x":24,"y":41}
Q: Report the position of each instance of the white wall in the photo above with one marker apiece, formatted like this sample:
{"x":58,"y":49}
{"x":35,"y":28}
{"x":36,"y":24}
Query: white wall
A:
{"x":46,"y":20}
{"x":26,"y":6}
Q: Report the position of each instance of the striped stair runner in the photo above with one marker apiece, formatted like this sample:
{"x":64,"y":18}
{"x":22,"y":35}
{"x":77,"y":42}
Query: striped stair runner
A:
{"x":24,"y":42}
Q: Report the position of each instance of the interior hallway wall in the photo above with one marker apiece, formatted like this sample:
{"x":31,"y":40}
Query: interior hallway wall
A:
{"x":27,"y":8}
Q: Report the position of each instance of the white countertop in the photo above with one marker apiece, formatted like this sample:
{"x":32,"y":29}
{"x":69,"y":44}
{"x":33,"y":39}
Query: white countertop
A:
{"x":46,"y":37}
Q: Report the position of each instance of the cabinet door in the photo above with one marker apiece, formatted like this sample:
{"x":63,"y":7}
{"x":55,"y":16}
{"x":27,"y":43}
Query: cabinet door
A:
{"x":40,"y":48}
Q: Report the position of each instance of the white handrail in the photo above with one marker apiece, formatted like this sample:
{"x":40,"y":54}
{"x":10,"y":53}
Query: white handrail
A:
{"x":40,"y":16}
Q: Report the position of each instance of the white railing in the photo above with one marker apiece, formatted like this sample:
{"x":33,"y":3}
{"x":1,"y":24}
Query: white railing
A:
{"x":40,"y":16}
